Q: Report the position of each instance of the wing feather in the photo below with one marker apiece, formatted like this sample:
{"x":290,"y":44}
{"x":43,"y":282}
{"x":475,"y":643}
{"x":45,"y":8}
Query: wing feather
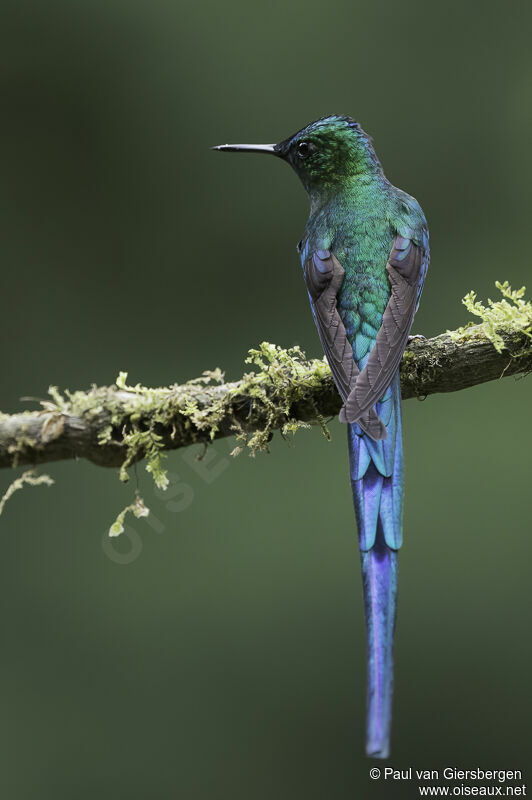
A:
{"x":324,"y":276}
{"x":406,"y":268}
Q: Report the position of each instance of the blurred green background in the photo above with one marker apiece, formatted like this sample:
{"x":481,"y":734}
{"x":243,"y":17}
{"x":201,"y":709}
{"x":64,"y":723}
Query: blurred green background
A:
{"x":217,"y":650}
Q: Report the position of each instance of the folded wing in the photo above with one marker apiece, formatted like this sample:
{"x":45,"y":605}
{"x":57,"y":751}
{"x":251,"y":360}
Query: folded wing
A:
{"x":406,"y":267}
{"x":324,"y":276}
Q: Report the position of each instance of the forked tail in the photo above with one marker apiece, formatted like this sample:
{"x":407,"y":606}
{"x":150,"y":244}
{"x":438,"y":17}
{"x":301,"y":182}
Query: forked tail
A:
{"x":377,"y":483}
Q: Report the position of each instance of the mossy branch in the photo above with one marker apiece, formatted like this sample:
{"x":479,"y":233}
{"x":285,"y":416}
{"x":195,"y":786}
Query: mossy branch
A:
{"x":118,"y":425}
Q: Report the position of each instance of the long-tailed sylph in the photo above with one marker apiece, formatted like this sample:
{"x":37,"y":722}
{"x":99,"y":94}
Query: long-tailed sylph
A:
{"x":364,"y":253}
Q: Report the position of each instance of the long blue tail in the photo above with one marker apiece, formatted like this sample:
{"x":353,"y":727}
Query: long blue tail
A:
{"x":377,"y":483}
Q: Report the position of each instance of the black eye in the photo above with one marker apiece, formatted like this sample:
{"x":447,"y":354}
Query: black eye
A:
{"x":304,"y":149}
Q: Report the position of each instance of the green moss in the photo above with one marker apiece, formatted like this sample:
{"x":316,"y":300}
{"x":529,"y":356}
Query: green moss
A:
{"x":138,"y":419}
{"x":28,"y":478}
{"x":285,"y":378}
{"x":137,"y":508}
{"x":512,"y":314}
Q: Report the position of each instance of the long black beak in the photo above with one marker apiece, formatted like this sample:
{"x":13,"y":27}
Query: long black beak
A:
{"x":248,"y":148}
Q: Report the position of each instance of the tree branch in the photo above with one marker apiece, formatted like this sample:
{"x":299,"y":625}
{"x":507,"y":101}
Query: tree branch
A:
{"x":118,"y":425}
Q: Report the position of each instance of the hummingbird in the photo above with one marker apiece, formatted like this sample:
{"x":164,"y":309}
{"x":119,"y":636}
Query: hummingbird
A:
{"x":364,"y":254}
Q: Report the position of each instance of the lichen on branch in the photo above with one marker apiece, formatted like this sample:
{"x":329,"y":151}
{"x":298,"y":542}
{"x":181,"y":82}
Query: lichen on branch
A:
{"x":512,"y":314}
{"x":119,"y":425}
{"x":27,"y":478}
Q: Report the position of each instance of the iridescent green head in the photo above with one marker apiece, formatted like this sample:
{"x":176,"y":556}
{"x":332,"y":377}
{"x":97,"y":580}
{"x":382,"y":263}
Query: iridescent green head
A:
{"x":325,"y":155}
{"x":329,"y":151}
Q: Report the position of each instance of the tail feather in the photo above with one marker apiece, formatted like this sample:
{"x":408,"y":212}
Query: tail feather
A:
{"x":377,"y":494}
{"x":367,"y":497}
{"x":379,"y":578}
